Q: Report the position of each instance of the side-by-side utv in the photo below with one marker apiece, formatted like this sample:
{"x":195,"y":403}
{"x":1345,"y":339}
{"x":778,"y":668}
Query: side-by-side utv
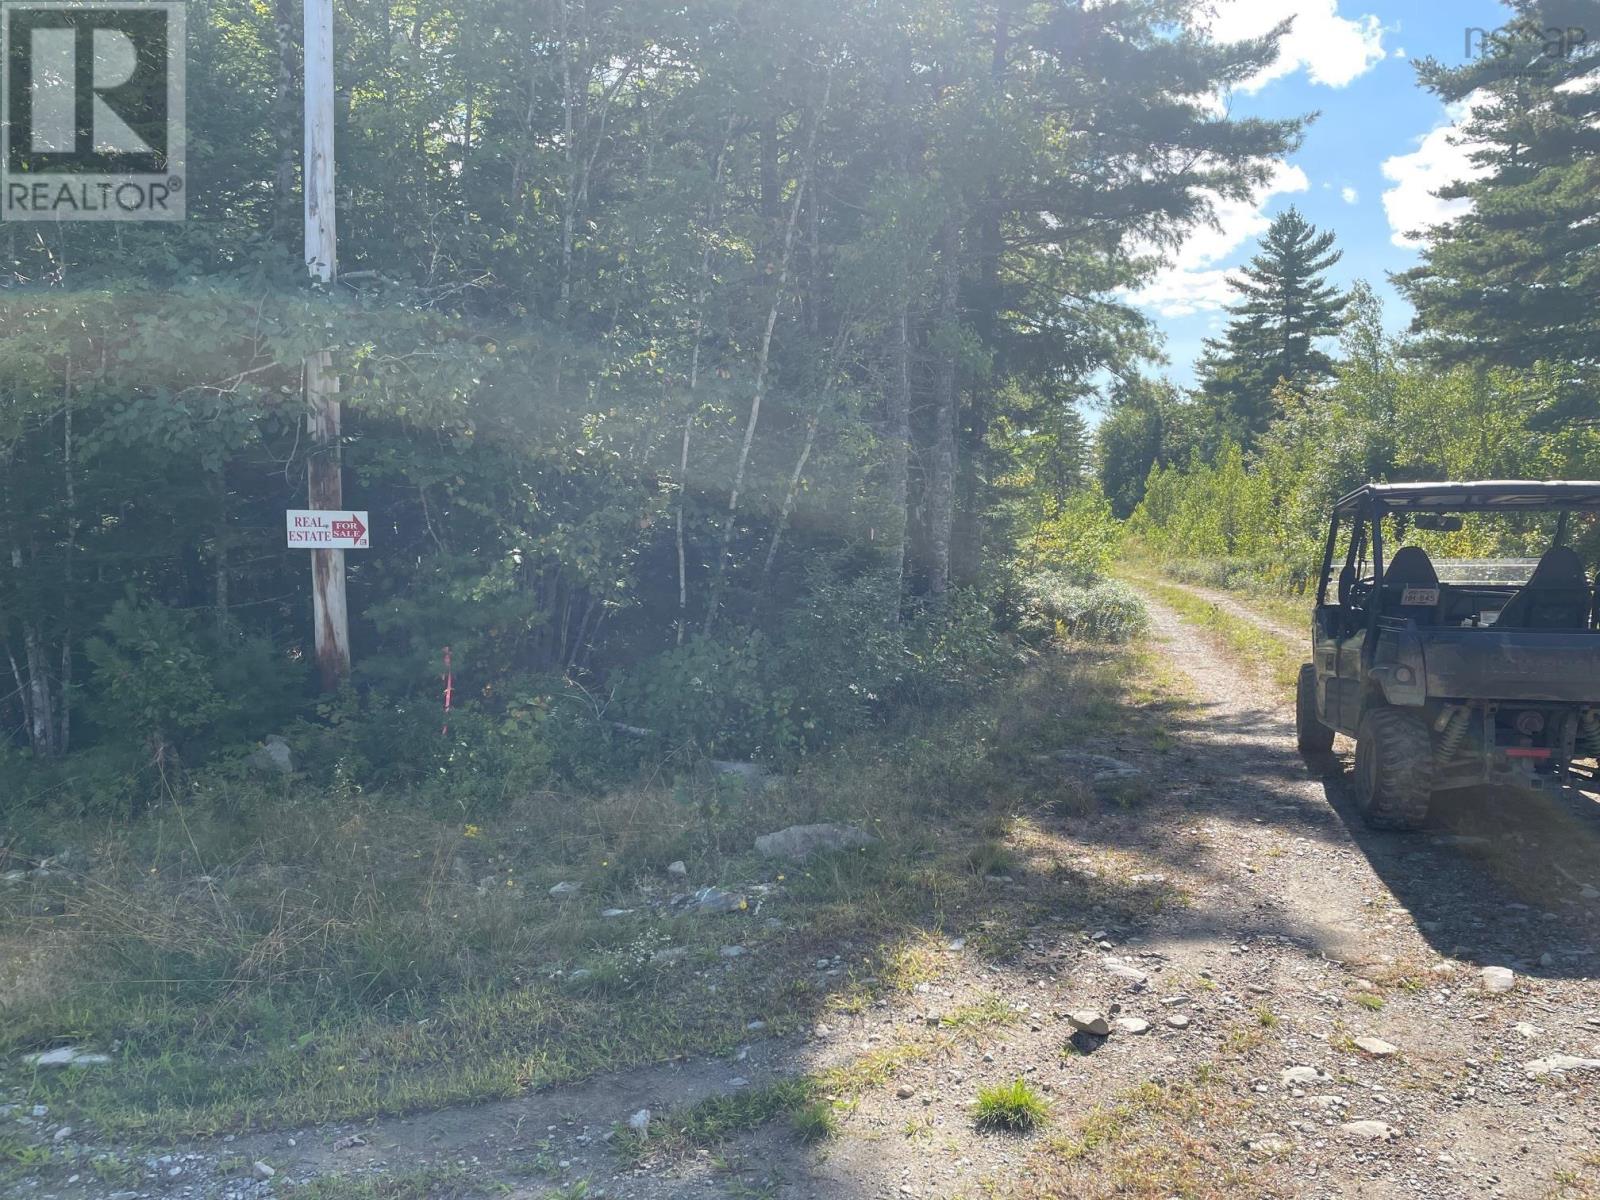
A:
{"x":1453,"y":673}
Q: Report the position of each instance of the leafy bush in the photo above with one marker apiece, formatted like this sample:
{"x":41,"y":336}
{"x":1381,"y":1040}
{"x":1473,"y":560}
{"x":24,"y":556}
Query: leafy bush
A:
{"x":483,"y":759}
{"x":162,"y":682}
{"x":837,"y":663}
{"x":1077,"y":538}
{"x":715,"y":694}
{"x":1106,"y":611}
{"x":954,"y":649}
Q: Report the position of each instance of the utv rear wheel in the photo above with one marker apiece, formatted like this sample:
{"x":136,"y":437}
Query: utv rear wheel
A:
{"x":1394,"y":769}
{"x":1310,"y":734}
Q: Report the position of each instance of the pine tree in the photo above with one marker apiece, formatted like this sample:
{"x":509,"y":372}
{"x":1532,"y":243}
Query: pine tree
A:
{"x":1516,"y":280}
{"x":1286,"y":308}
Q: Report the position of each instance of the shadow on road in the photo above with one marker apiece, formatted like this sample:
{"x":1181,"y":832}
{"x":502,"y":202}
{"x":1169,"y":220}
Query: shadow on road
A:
{"x":1497,"y":877}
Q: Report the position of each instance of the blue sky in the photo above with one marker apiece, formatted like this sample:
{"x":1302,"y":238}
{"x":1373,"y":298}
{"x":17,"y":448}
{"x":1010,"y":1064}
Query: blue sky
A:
{"x":1368,"y":164}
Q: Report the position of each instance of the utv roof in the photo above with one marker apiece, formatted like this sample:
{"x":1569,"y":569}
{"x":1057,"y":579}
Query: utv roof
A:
{"x":1470,"y":496}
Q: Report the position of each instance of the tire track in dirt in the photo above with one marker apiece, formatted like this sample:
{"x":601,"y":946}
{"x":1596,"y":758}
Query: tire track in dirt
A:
{"x":1418,"y":915}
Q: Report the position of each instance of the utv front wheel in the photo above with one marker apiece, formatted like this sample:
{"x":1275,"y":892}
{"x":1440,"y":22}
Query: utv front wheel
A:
{"x":1394,"y":769}
{"x":1310,"y":734}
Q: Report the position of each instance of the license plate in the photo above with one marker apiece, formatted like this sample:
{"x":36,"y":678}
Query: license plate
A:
{"x":1422,"y":597}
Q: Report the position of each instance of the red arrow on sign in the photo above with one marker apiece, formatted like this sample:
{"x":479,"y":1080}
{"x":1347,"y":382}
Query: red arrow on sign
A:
{"x":352,"y":529}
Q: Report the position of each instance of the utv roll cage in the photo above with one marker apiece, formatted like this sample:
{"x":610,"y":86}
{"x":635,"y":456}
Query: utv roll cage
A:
{"x":1374,"y":501}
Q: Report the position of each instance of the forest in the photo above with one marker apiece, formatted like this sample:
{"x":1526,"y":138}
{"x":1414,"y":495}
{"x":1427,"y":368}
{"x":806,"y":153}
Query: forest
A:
{"x":713,"y":372}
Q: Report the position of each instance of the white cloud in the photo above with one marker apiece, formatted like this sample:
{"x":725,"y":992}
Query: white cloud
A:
{"x":1441,"y":157}
{"x":1192,"y":281}
{"x":1348,"y":194}
{"x":1331,"y":49}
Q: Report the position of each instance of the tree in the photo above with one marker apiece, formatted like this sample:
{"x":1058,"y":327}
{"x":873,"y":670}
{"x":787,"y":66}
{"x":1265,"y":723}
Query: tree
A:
{"x":654,"y":318}
{"x":1515,"y":280}
{"x":1132,"y":439}
{"x":1286,"y":308}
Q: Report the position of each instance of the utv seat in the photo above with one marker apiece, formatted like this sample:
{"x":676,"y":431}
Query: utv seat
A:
{"x":1410,"y":568}
{"x":1556,"y":596}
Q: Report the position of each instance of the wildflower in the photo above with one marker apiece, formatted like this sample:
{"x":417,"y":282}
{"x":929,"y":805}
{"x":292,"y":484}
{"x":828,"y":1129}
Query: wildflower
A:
{"x":472,"y":831}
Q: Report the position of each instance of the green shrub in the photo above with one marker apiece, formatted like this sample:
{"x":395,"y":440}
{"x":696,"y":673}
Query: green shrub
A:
{"x":482,"y":759}
{"x":1076,"y":538}
{"x":1269,"y":575}
{"x":161,"y":682}
{"x":712,"y":693}
{"x":1106,"y":611}
{"x":837,"y":662}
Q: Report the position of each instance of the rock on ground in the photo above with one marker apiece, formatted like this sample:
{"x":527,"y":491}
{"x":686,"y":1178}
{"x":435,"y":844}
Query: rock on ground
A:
{"x":67,"y":1056}
{"x":1100,"y":768}
{"x":1497,"y":979}
{"x":800,"y":842}
{"x":1301,"y":1075}
{"x":1556,"y":1063}
{"x":1123,"y":971}
{"x":1088,"y":1020}
{"x":273,"y":756}
{"x":710,"y":901}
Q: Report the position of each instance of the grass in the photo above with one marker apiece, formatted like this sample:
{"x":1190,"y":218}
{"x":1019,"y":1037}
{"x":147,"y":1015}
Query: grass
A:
{"x":261,"y":957}
{"x":1015,"y":1107}
{"x":987,"y":1012}
{"x":1159,"y":1140}
{"x":1580,"y":1181}
{"x":19,"y":1158}
{"x":1370,"y":1001}
{"x":814,"y":1122}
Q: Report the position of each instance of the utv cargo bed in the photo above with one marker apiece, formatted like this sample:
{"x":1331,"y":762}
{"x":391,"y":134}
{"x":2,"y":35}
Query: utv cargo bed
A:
{"x":1513,"y":664}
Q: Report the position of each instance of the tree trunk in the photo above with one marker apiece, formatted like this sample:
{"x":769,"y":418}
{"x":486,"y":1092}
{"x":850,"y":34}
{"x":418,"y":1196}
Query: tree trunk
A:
{"x":726,"y":540}
{"x":841,"y":344}
{"x":713,"y":209}
{"x":897,"y":443}
{"x":68,"y":564}
{"x":946,"y":393}
{"x":966,"y":543}
{"x":219,"y":564}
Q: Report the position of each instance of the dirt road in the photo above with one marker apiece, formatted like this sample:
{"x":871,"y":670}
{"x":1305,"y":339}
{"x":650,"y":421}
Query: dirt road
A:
{"x":1303,"y":1009}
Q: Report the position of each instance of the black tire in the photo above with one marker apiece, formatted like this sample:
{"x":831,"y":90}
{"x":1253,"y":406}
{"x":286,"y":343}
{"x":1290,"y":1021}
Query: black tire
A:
{"x":1310,"y":734}
{"x":1394,"y":769}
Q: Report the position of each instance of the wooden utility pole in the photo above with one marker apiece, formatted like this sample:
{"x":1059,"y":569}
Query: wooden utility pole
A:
{"x":324,"y":477}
